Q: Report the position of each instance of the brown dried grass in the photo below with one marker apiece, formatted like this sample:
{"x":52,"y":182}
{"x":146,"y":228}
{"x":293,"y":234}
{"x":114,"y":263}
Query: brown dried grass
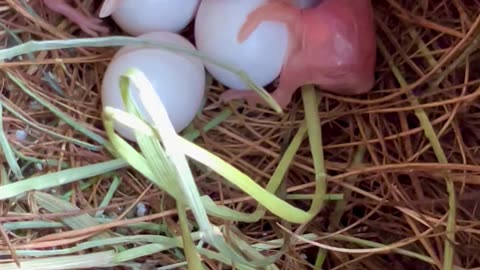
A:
{"x":397,"y":192}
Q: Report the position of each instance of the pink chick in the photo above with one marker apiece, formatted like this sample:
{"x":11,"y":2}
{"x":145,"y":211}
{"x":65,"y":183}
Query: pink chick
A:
{"x":89,"y":25}
{"x":331,"y":45}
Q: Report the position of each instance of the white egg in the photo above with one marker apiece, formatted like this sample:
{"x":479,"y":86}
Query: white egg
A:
{"x":140,"y":17}
{"x":178,"y":79}
{"x":261,"y":56}
{"x":168,"y":38}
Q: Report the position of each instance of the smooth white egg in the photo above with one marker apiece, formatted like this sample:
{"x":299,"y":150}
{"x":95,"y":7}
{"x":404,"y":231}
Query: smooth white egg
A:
{"x":261,"y":56}
{"x":140,"y":17}
{"x":167,"y":37}
{"x":178,"y":79}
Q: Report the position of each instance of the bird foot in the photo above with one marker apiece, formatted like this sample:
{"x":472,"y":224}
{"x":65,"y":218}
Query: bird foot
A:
{"x":90,"y":25}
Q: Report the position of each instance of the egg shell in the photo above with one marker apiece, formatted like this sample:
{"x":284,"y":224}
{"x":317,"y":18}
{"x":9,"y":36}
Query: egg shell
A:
{"x":169,"y":38}
{"x":139,"y":17}
{"x":260,"y":56}
{"x":178,"y":79}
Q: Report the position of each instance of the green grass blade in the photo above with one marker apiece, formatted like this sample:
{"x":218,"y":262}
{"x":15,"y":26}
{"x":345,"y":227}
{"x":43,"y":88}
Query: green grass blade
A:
{"x":108,"y":197}
{"x":429,"y":132}
{"x":7,"y":150}
{"x":55,"y":205}
{"x":241,"y":180}
{"x":193,"y":258}
{"x":67,"y":119}
{"x":58,"y":178}
{"x":47,"y":131}
{"x":34,"y":46}
{"x":73,"y":262}
{"x":172,"y":159}
{"x":245,"y":183}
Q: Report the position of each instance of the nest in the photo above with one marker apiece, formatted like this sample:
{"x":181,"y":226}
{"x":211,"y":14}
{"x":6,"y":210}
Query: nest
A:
{"x":404,"y":157}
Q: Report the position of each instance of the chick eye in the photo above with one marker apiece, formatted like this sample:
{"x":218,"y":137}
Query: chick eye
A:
{"x":304,"y":4}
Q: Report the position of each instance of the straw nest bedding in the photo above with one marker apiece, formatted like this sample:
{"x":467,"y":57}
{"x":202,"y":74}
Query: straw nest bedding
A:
{"x":427,"y":67}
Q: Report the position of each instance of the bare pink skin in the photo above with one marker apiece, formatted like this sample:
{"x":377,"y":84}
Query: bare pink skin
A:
{"x":331,"y":45}
{"x":88,"y":24}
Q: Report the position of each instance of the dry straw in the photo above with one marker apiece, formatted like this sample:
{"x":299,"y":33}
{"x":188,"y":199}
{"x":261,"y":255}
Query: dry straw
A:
{"x":334,"y":182}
